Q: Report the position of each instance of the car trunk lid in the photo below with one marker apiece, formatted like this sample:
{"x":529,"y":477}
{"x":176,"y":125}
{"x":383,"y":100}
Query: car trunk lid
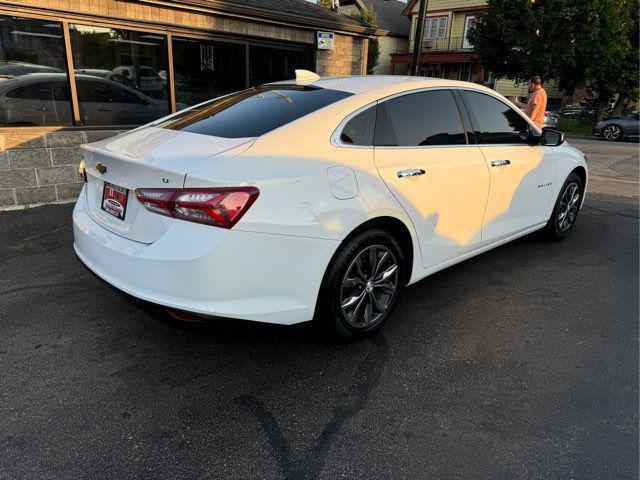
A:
{"x":147,"y":157}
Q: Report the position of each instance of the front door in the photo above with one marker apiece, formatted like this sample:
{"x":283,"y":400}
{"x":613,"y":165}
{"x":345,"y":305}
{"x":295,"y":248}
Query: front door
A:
{"x":442,"y":182}
{"x":522,"y":174}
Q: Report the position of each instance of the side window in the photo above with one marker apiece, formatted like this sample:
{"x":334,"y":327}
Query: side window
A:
{"x":496,"y":122}
{"x":125,"y":96}
{"x":61,"y":91}
{"x":90,"y":91}
{"x":104,"y":92}
{"x":419,"y":119}
{"x":359,"y":130}
{"x":34,"y":91}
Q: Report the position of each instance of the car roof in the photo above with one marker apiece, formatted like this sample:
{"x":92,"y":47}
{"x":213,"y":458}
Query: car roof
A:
{"x":364,"y":83}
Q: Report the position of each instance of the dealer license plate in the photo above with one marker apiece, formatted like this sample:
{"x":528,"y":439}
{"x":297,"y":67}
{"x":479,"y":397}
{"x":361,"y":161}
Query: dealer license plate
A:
{"x":114,"y":200}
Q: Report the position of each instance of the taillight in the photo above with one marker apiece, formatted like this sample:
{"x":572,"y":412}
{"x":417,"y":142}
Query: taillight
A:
{"x":221,"y":207}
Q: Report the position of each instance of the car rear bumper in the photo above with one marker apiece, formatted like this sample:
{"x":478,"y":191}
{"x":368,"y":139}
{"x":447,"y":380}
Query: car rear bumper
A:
{"x":208,"y":270}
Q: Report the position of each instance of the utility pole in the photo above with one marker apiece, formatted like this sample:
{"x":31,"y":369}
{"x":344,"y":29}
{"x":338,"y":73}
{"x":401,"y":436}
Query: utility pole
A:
{"x":419,"y":35}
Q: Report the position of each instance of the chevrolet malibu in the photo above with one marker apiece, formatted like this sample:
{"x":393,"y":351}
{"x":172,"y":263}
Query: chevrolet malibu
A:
{"x":319,"y":198}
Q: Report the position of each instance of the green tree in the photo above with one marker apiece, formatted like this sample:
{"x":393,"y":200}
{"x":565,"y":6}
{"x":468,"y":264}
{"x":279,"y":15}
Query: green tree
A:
{"x":587,"y":43}
{"x":368,"y":15}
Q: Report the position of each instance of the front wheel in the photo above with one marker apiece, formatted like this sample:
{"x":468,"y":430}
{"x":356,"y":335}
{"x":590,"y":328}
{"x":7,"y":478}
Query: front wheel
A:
{"x":566,"y":209}
{"x":362,"y":285}
{"x":612,"y":133}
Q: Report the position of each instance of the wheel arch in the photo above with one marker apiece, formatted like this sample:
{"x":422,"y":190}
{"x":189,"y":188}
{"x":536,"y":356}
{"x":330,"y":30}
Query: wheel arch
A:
{"x":395,"y":227}
{"x":582,"y":174}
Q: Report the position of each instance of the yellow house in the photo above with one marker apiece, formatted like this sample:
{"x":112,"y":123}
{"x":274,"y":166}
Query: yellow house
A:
{"x":447,"y":52}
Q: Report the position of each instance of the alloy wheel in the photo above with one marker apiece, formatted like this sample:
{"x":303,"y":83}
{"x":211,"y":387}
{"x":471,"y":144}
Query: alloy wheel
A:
{"x":569,"y":204}
{"x":369,"y":286}
{"x":612,"y":133}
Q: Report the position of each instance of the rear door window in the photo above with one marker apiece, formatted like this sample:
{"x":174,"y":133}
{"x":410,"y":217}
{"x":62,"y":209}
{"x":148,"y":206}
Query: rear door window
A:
{"x":420,"y":119}
{"x":253,"y":112}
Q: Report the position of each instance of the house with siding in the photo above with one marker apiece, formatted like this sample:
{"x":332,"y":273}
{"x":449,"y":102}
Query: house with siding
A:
{"x":447,"y":51}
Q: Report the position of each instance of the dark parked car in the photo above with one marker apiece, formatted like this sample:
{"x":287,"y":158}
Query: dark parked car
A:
{"x":619,"y":128}
{"x":44,"y":99}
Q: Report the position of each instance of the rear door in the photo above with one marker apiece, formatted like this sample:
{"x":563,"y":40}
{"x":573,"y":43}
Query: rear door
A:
{"x":426,"y":157}
{"x":522,"y":173}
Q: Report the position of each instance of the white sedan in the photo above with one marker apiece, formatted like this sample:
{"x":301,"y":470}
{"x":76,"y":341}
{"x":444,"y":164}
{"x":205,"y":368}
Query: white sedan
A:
{"x":319,"y":198}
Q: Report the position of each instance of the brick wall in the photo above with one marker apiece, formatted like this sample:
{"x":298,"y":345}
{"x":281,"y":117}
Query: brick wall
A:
{"x":41,"y":167}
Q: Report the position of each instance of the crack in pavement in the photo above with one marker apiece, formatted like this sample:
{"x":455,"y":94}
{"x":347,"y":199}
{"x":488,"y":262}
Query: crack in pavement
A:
{"x":309,"y":463}
{"x":612,"y":213}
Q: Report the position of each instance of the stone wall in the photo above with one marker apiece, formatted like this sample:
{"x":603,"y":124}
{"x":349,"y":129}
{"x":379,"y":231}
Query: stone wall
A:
{"x":347,"y":58}
{"x":41,"y":166}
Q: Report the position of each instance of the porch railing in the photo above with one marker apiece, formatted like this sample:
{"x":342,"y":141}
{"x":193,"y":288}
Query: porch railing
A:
{"x":447,"y":44}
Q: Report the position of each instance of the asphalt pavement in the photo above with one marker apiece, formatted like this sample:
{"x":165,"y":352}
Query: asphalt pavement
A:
{"x":521,"y":363}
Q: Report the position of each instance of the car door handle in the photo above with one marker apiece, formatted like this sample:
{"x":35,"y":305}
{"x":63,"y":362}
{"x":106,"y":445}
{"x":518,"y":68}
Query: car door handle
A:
{"x":500,"y":163}
{"x":411,"y":172}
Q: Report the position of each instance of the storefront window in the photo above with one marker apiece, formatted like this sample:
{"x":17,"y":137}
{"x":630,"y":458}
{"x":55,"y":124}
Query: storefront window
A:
{"x":118,"y":75}
{"x":27,"y":47}
{"x":270,"y":64}
{"x":205,"y":69}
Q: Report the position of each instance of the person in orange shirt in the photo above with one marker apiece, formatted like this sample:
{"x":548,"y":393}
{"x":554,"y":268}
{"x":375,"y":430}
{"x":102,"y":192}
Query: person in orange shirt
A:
{"x":537,"y":104}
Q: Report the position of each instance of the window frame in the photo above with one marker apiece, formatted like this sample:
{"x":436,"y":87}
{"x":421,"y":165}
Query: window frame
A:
{"x":428,"y":27}
{"x":167,"y":31}
{"x":533,"y":128}
{"x":467,"y":125}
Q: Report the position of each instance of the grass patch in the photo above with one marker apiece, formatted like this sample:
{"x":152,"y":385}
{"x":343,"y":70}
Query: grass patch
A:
{"x":576,"y":126}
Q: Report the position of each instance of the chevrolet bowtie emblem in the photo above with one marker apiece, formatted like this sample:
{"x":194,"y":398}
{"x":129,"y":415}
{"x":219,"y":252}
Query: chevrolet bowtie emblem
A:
{"x":101,"y":168}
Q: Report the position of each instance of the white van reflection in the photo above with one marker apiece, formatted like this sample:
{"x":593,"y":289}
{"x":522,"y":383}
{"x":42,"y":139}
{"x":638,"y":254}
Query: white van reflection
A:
{"x":44,"y":99}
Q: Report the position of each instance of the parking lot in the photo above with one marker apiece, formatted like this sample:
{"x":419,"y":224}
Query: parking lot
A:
{"x":519,"y":363}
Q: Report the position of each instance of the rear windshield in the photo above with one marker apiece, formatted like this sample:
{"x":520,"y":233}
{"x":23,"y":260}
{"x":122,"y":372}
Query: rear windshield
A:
{"x":253,"y":112}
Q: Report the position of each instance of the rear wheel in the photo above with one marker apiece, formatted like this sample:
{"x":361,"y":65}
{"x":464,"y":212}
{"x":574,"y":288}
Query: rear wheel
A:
{"x":612,"y":133}
{"x":566,"y":209}
{"x":362,"y":285}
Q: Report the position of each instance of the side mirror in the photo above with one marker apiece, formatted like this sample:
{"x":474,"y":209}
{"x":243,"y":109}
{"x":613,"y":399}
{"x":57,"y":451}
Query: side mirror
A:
{"x":551,"y":137}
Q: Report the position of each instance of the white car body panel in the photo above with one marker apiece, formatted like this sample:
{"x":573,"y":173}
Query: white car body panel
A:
{"x":313,"y":194}
{"x":447,"y":203}
{"x":520,"y":192}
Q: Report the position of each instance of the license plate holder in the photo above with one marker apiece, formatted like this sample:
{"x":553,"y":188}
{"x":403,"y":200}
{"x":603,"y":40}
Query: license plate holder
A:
{"x":114,"y":200}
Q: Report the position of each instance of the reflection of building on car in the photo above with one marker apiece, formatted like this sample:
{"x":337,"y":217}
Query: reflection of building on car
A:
{"x":44,"y":99}
{"x":619,"y":128}
{"x":145,"y":78}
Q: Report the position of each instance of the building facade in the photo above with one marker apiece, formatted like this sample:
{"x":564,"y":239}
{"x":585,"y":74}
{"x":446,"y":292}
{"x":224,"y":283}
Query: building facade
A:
{"x":75,"y":71}
{"x":448,"y":53}
{"x":390,"y":18}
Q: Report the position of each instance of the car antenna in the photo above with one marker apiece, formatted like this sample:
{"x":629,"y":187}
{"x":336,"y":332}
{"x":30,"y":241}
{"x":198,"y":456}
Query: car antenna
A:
{"x":305,"y":77}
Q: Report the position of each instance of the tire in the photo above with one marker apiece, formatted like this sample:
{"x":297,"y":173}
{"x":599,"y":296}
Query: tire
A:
{"x":358,"y":297}
{"x":565,"y":212}
{"x":613,"y":133}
